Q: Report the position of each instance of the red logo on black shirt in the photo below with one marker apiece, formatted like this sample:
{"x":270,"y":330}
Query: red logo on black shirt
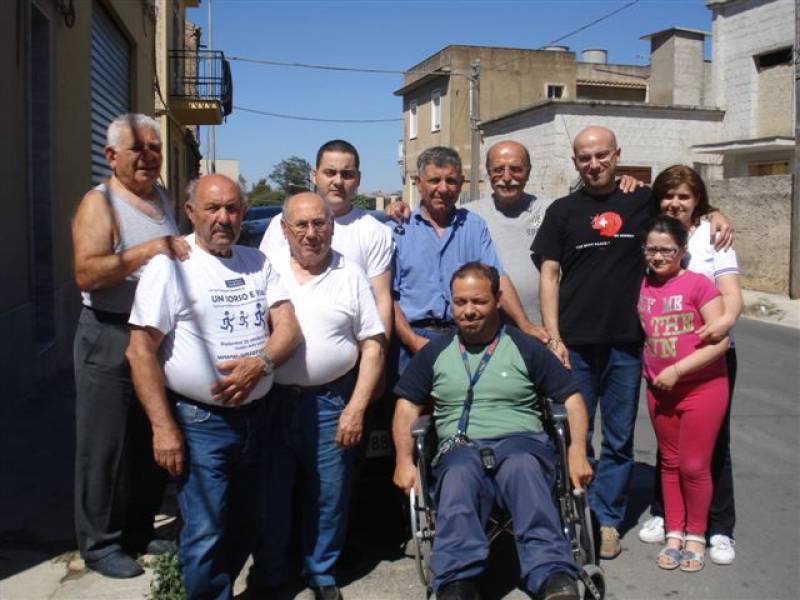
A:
{"x":608,"y":223}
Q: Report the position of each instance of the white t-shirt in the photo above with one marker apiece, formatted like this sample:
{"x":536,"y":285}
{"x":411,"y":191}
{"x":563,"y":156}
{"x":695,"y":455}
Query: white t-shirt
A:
{"x":705,"y":260}
{"x":336,"y":310}
{"x":210,"y":309}
{"x":359,"y":237}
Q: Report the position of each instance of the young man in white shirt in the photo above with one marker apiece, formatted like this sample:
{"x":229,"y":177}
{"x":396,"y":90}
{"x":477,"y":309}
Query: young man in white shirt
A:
{"x":319,"y":400}
{"x":201,"y":355}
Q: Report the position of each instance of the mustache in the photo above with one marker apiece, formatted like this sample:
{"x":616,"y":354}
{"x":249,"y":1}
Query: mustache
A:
{"x":222,"y":229}
{"x":511,"y":184}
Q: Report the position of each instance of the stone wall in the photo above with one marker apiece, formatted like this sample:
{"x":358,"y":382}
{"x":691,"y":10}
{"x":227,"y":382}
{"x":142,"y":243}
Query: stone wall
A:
{"x":760,"y":208}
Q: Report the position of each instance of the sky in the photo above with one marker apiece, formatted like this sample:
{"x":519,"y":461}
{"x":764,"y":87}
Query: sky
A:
{"x":387,"y":35}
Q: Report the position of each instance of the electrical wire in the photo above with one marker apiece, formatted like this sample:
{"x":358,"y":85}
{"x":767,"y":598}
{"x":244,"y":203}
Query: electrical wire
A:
{"x":315,"y":119}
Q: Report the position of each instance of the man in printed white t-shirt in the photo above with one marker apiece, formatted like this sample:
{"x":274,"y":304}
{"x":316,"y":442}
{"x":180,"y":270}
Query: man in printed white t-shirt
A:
{"x":319,"y":399}
{"x":202,"y":355}
{"x":360,"y":238}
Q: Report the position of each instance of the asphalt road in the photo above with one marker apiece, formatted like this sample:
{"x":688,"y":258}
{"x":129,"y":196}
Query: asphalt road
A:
{"x":766,"y":454}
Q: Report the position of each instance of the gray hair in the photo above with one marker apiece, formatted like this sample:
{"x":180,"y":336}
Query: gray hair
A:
{"x":325,"y":204}
{"x":191,"y":189}
{"x":440,"y":156}
{"x":130,"y":122}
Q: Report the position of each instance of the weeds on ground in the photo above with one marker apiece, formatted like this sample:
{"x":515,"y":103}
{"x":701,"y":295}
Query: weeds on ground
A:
{"x":166,"y":583}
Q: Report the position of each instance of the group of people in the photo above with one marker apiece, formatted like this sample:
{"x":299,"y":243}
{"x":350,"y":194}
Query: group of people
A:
{"x":242,"y":372}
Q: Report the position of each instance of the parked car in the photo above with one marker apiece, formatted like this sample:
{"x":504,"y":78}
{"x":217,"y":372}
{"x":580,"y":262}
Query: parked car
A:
{"x":256,"y":221}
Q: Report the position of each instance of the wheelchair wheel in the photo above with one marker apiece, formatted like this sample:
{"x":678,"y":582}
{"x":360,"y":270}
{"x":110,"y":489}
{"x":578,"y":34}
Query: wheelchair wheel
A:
{"x":594,"y":582}
{"x":422,"y":530}
{"x":583,"y":544}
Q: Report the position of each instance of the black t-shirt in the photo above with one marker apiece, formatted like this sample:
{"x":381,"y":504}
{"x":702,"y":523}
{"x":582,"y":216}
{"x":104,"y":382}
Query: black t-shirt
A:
{"x":598,"y":242}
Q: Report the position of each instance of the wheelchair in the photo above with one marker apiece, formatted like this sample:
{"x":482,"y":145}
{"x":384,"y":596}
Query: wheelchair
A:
{"x":573,"y":509}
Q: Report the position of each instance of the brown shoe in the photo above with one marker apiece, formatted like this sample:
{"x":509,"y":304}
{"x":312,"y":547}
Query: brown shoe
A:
{"x":610,"y":546}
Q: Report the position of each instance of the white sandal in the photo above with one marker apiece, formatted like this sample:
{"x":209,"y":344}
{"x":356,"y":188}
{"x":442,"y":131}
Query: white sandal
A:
{"x":673,"y":555}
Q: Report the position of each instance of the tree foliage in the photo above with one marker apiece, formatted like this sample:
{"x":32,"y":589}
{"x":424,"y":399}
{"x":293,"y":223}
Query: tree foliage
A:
{"x":262,"y":193}
{"x":365,"y":202}
{"x":292,"y":175}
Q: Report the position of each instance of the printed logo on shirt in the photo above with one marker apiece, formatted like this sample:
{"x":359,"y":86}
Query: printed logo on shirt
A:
{"x":232,"y":283}
{"x":608,"y":223}
{"x":534,"y":222}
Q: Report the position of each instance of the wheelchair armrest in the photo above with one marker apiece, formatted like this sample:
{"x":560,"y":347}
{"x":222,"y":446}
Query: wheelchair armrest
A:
{"x":421,"y":426}
{"x":557,"y":410}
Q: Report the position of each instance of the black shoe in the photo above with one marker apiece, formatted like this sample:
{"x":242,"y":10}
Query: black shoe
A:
{"x":157,"y":547}
{"x":461,"y":589}
{"x":117,"y":565}
{"x":326,"y":592}
{"x":559,"y":586}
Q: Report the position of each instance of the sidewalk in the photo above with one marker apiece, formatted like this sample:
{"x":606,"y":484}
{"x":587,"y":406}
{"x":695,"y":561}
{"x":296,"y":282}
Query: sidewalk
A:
{"x":38,"y":559}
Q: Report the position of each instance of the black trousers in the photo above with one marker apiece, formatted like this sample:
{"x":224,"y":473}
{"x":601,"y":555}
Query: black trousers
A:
{"x":722,"y":514}
{"x":118,"y":486}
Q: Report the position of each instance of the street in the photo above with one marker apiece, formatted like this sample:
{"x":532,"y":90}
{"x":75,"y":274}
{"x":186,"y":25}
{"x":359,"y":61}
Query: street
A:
{"x":35,"y":521}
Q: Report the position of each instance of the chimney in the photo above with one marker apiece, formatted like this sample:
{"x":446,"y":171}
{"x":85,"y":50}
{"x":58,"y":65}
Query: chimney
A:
{"x":677,"y":65}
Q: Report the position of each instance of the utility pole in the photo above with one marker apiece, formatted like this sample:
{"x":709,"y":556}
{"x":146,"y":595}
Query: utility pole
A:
{"x":211,"y":159}
{"x":794,"y":225}
{"x":474,"y":119}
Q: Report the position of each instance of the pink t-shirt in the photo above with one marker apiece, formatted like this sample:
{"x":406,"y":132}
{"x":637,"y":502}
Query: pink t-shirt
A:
{"x":670,"y":315}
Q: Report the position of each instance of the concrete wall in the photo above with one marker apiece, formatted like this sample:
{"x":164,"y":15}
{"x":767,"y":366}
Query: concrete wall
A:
{"x":760,"y":208}
{"x":22,"y":363}
{"x":742,"y":30}
{"x":677,"y":72}
{"x":648,"y":136}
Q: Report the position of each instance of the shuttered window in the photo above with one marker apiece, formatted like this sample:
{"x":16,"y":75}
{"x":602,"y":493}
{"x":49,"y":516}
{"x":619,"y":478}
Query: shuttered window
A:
{"x":111,"y":83}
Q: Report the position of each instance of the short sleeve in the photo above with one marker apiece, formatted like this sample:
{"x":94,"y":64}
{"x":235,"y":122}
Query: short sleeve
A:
{"x":276,"y":290}
{"x":157,"y":303}
{"x":416,"y":382}
{"x":725,"y":263}
{"x":549,"y":376}
{"x":273,"y":240}
{"x":368,"y":321}
{"x":547,"y":243}
{"x":704,"y":291}
{"x":379,"y":250}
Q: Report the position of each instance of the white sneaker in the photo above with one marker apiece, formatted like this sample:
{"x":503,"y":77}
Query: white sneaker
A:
{"x":722,"y":552}
{"x":652,"y":532}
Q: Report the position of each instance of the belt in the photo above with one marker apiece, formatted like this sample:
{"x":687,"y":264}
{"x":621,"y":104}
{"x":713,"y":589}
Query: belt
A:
{"x":213,"y":408}
{"x":109,"y":317}
{"x":299,"y":390}
{"x":433,"y":324}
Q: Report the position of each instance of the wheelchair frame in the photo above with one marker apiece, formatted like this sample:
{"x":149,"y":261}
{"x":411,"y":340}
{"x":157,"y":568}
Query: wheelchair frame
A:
{"x":573,"y":509}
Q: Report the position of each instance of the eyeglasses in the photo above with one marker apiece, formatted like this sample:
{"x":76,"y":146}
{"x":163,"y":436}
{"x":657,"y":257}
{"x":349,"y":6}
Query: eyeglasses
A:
{"x":663,"y":251}
{"x":303,"y":227}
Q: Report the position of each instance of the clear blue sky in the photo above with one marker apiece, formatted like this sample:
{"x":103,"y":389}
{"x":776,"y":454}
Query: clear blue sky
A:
{"x":392,"y":35}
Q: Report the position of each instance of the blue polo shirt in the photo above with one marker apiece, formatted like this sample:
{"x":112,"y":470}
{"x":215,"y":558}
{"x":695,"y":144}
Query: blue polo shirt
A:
{"x":425,"y":262}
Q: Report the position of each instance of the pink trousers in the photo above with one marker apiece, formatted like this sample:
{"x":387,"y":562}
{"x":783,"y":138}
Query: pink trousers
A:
{"x":686,"y":420}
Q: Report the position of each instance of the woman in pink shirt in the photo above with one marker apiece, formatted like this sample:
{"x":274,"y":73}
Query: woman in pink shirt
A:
{"x":687,"y":387}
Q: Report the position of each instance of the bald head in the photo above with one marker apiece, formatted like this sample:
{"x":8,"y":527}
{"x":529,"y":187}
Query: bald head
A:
{"x":216,"y":207}
{"x":308,"y":227}
{"x":509,"y":166}
{"x":304,"y":199}
{"x":595,"y":157}
{"x":203,"y":184}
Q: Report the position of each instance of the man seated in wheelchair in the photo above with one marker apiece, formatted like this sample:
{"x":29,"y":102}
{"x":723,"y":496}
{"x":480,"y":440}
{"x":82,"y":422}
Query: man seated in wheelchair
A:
{"x":486,"y":382}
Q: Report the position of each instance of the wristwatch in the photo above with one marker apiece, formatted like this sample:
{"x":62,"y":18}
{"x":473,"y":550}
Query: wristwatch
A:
{"x":269,"y":366}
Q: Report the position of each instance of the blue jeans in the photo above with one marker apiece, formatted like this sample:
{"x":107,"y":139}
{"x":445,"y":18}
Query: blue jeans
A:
{"x":301,"y":444}
{"x":521,"y":484}
{"x":610,"y":374}
{"x":219,"y":494}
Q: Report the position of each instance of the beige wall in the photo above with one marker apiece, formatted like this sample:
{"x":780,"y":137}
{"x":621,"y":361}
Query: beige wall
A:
{"x":70,"y":161}
{"x":760,"y":208}
{"x":775,"y":102}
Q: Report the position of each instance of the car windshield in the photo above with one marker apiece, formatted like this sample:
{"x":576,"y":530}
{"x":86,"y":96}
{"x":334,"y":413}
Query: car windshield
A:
{"x":262,"y":212}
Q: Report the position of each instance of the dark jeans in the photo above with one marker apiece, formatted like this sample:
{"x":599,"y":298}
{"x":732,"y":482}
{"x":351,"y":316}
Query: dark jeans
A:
{"x":722,"y":515}
{"x":465,"y":494}
{"x":118,"y":486}
{"x":220,"y":493}
{"x":609,"y":376}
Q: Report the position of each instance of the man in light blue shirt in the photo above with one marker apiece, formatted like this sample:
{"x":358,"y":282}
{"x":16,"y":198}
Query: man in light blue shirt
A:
{"x":436,"y":241}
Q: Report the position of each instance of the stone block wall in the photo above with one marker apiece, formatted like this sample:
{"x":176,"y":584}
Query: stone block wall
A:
{"x":760,"y":208}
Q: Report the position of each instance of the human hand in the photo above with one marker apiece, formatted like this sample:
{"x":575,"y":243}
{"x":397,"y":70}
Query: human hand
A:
{"x":714,"y":331}
{"x":558,"y":348}
{"x":351,"y":427}
{"x":398,"y":210}
{"x":580,"y":471}
{"x":722,"y":231}
{"x":168,"y":449}
{"x":627,"y":184}
{"x":540,"y":333}
{"x":242,"y":376}
{"x":667,"y":379}
{"x":405,"y":476}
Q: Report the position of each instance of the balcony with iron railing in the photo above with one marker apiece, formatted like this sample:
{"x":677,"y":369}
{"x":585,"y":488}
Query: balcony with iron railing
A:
{"x":201,"y":88}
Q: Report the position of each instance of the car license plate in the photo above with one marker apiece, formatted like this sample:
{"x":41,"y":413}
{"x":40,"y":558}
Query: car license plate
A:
{"x":379,"y":444}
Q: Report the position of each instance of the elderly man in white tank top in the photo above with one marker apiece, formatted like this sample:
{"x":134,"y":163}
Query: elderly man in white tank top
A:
{"x":118,"y":227}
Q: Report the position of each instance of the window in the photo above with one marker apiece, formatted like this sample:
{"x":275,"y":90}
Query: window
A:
{"x":780,"y":167}
{"x":774,"y":58}
{"x":412,"y":120}
{"x":436,"y":110}
{"x":555,"y":91}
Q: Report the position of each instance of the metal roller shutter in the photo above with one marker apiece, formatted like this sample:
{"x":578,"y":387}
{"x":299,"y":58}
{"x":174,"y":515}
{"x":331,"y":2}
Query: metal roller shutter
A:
{"x":111,"y":83}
